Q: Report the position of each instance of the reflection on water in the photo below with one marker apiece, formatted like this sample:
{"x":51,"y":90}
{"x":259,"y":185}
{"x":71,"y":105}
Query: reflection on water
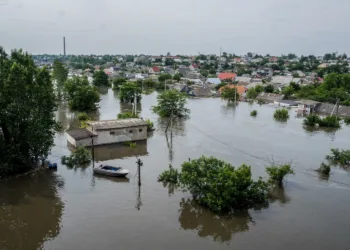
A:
{"x":98,"y":177}
{"x":178,"y":126}
{"x":120,"y":151}
{"x":220,"y":228}
{"x":128,"y":107}
{"x":30,"y":211}
{"x":102,"y":90}
{"x":278,"y":194}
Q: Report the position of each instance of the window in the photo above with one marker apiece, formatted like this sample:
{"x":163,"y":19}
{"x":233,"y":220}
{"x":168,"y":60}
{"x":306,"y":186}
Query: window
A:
{"x":111,"y":132}
{"x":130,"y":131}
{"x":140,"y":130}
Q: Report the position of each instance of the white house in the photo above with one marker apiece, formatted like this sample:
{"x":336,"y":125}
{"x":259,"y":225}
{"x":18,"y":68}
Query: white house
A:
{"x":108,"y":132}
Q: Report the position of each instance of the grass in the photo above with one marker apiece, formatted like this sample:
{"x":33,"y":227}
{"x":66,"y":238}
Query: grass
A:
{"x":131,"y":144}
{"x":254,"y":113}
{"x":150,"y":125}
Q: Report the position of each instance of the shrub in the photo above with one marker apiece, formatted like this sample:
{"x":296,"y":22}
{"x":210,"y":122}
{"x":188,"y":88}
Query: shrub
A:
{"x":220,"y":186}
{"x":253,"y":113}
{"x":324,"y":169}
{"x":83,"y":117}
{"x":150,"y":125}
{"x":347,"y":120}
{"x":311,"y":120}
{"x":281,"y":114}
{"x":131,"y":144}
{"x":339,"y":156}
{"x":169,"y":176}
{"x":127,"y":115}
{"x":328,"y":121}
{"x":79,"y":157}
{"x":277,"y":173}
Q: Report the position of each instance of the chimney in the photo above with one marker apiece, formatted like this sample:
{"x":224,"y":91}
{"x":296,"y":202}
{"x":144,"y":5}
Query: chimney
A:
{"x":64,"y":46}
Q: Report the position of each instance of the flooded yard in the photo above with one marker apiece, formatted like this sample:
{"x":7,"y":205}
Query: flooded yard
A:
{"x":74,"y":209}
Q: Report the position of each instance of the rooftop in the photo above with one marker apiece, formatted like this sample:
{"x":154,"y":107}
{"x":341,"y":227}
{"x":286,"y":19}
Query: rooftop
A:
{"x":113,"y":124}
{"x":308,"y":102}
{"x":81,"y":133}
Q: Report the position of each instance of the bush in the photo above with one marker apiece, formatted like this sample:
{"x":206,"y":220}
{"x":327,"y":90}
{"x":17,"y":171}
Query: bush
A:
{"x":83,"y":117}
{"x":324,"y":169}
{"x":327,"y":122}
{"x":221,"y":187}
{"x":253,"y":113}
{"x":339,"y":156}
{"x":150,"y":125}
{"x":169,"y":176}
{"x":277,"y":173}
{"x":347,"y":120}
{"x":79,"y":157}
{"x":281,"y":114}
{"x":127,"y":115}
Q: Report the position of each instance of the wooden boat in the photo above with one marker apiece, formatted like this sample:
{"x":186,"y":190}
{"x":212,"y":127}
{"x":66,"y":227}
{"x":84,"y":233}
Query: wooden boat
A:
{"x":111,"y":171}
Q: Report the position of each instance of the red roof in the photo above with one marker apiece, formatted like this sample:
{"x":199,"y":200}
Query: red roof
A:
{"x":195,"y":66}
{"x":240,"y":89}
{"x":156,"y":69}
{"x":224,"y":76}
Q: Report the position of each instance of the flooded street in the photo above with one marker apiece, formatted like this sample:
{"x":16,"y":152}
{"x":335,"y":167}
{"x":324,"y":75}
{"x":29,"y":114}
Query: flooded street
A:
{"x":74,"y":209}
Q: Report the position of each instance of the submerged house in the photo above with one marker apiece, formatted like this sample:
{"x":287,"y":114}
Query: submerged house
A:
{"x":108,"y":132}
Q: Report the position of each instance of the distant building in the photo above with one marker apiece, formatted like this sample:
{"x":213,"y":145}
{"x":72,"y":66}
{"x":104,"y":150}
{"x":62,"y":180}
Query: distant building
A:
{"x":270,"y":97}
{"x":154,"y":70}
{"x":109,"y":132}
{"x":213,"y":81}
{"x":227,"y":76}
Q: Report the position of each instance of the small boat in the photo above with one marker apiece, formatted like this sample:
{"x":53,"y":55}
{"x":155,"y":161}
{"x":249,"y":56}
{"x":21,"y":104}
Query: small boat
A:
{"x":111,"y":171}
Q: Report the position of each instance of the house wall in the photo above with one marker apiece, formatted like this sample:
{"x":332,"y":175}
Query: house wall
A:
{"x":71,"y":140}
{"x":121,"y":135}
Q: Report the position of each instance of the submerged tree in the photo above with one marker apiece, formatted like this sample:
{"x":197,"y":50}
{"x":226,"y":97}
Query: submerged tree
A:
{"x":128,"y":91}
{"x":100,"y":79}
{"x":171,"y":103}
{"x":230,"y":94}
{"x":277,"y":173}
{"x":60,"y":74}
{"x":79,"y":157}
{"x":27,"y":120}
{"x":81,"y":96}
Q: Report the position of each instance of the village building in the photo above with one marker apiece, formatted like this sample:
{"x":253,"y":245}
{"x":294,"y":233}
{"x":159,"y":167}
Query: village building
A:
{"x":108,"y":132}
{"x":270,"y":97}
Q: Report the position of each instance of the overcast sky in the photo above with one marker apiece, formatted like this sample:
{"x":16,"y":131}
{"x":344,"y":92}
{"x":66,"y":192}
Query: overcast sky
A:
{"x":179,"y":27}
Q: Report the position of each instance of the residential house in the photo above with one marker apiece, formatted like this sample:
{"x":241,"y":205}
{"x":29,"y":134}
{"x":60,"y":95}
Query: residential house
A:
{"x":193,"y":75}
{"x":283,"y":81}
{"x":107,"y":71}
{"x":237,"y":60}
{"x":243,"y":79}
{"x":286,"y":103}
{"x":270,"y":97}
{"x":109,"y":132}
{"x":193,"y":67}
{"x":183,"y":71}
{"x":273,"y":59}
{"x":201,"y":91}
{"x":213,"y":81}
{"x":257,"y":60}
{"x":169,"y":70}
{"x":178,"y":60}
{"x":227,"y":76}
{"x":332,"y":62}
{"x":154,"y":70}
{"x":97,"y":67}
{"x":323,"y":65}
{"x":240,"y":89}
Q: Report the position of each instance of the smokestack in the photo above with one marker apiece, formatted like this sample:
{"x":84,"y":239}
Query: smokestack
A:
{"x":64,"y":46}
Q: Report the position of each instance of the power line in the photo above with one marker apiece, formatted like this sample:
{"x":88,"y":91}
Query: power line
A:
{"x":262,"y":159}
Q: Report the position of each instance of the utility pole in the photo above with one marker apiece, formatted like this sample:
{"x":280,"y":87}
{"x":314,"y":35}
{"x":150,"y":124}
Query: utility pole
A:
{"x":139,"y":164}
{"x":93,"y":151}
{"x":135,"y":103}
{"x":235,"y":95}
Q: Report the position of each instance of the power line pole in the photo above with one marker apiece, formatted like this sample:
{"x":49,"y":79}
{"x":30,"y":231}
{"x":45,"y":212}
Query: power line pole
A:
{"x":93,"y":151}
{"x":139,"y":164}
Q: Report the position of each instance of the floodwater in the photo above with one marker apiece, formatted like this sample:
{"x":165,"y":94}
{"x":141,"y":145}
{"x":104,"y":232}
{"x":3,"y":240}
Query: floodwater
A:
{"x":74,"y":209}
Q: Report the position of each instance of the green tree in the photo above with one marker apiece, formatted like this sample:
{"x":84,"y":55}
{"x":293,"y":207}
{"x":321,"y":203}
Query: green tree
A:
{"x":27,"y":106}
{"x":81,"y":96}
{"x":269,"y":88}
{"x":220,"y":186}
{"x":259,"y":88}
{"x":177,"y":77}
{"x":281,"y":114}
{"x":60,"y":74}
{"x":118,"y":82}
{"x":128,"y":91}
{"x":149,"y":83}
{"x":204,"y":73}
{"x":100,"y":79}
{"x":251,"y":93}
{"x":164,"y":77}
{"x":230,"y":94}
{"x":277,"y":173}
{"x":171,"y":102}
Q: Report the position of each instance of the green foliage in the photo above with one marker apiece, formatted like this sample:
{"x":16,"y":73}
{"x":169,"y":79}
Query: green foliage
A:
{"x":254,"y":113}
{"x":79,"y":157}
{"x":128,"y":91}
{"x":230,"y":94}
{"x":83,"y":117}
{"x":252,"y":93}
{"x":339,"y":156}
{"x":150,"y":125}
{"x":177,"y":77}
{"x":220,"y":186}
{"x":269,"y":88}
{"x":27,"y":119}
{"x":295,"y":75}
{"x":164,"y":77}
{"x":281,"y":114}
{"x":60,"y":74}
{"x":347,"y":120}
{"x":277,"y":173}
{"x":100,"y":79}
{"x":149,"y":83}
{"x":127,"y":115}
{"x":328,"y":121}
{"x":169,"y":176}
{"x":131,"y":144}
{"x":171,"y":102}
{"x":259,"y":88}
{"x":81,"y":96}
{"x":220,"y":85}
{"x":324,"y":169}
{"x":118,"y":82}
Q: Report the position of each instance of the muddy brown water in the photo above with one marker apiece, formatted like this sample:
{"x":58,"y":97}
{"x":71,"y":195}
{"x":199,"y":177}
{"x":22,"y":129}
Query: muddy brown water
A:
{"x":74,"y":209}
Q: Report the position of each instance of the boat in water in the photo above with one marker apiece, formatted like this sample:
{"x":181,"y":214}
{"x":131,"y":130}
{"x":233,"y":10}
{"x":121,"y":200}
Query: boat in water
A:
{"x":111,"y":171}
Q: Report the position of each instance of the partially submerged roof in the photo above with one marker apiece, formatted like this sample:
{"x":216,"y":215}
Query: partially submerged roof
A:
{"x":113,"y":124}
{"x":307,"y":102}
{"x":81,"y":133}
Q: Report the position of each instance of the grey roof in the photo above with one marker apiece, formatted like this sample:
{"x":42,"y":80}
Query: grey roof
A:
{"x":308,"y":102}
{"x":290,"y":102}
{"x":81,"y":133}
{"x":113,"y":124}
{"x":243,"y":79}
{"x":214,"y":80}
{"x":270,"y":97}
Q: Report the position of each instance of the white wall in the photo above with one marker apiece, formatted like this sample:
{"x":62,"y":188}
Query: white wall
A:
{"x":121,"y":135}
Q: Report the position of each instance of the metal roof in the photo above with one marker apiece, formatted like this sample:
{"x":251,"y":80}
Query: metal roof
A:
{"x":113,"y":124}
{"x":81,"y":133}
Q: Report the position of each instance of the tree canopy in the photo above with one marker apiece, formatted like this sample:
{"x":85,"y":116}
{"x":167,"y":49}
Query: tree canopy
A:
{"x":60,"y":74}
{"x":27,"y":120}
{"x":100,"y":79}
{"x":230,"y":94}
{"x":81,"y":96}
{"x":171,"y":102}
{"x":164,"y":77}
{"x":128,"y":91}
